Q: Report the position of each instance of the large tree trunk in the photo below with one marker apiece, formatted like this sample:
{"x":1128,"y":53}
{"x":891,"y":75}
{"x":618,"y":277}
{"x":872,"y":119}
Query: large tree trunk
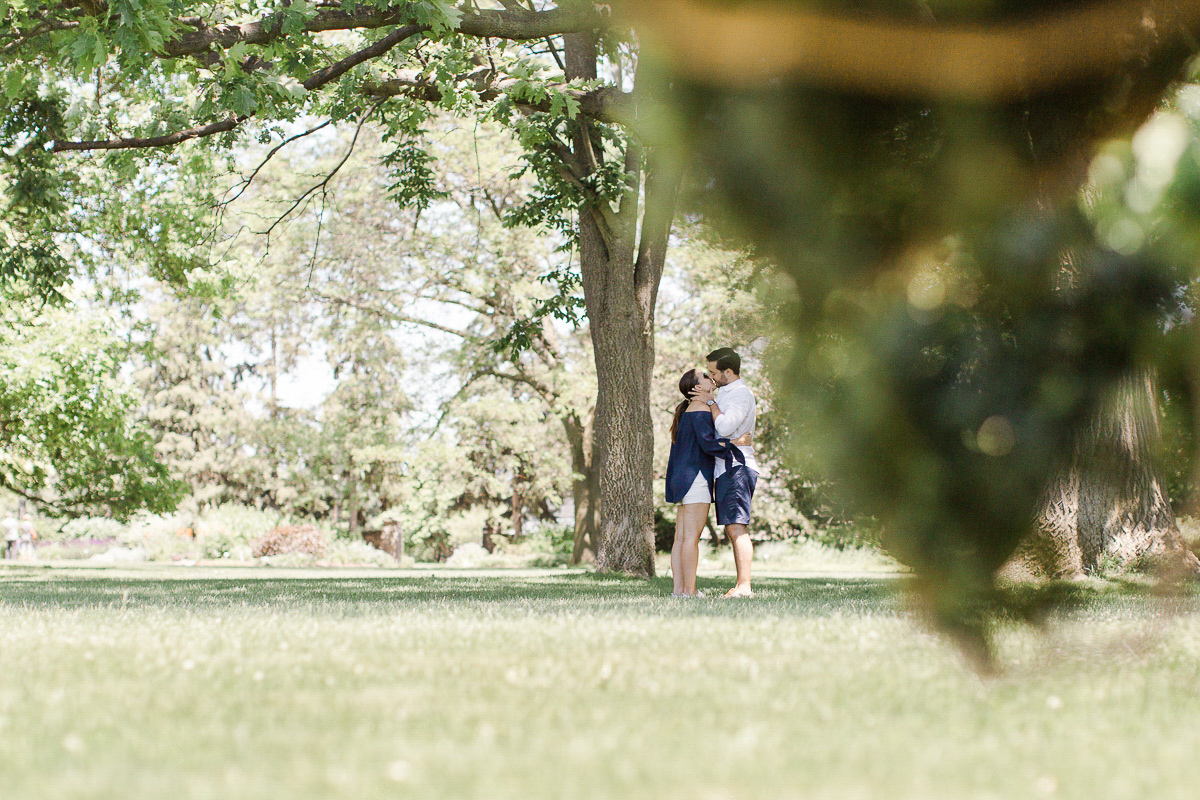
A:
{"x":623,"y":341}
{"x":621,"y":263}
{"x":1110,"y":506}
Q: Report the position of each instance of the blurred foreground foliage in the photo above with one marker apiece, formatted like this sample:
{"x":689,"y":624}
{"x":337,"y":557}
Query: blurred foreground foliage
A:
{"x":954,"y":310}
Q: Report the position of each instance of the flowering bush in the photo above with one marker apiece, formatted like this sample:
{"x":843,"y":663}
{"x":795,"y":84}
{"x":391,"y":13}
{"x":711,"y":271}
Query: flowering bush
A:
{"x":291,"y":539}
{"x":233,"y":524}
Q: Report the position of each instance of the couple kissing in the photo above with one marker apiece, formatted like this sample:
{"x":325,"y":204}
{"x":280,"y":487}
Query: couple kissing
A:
{"x":712,"y":461}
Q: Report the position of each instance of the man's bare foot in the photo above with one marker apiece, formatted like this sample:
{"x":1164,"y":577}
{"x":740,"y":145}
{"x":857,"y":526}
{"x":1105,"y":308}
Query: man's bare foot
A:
{"x":739,"y":591}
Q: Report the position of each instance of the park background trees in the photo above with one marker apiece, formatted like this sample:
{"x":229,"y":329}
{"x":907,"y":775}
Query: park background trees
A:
{"x":430,"y":293}
{"x":159,"y":77}
{"x":926,"y":261}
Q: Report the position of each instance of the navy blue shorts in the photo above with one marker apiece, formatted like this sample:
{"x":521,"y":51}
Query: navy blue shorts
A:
{"x":734,"y":490}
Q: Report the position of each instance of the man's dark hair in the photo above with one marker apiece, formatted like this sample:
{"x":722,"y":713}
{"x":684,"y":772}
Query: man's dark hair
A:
{"x":726,"y":358}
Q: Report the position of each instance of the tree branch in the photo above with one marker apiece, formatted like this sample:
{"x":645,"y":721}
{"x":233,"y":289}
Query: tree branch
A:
{"x":325,"y":181}
{"x":633,"y":180}
{"x":241,"y":188}
{"x":460,"y":303}
{"x":211,"y":129}
{"x":607,"y":104}
{"x":515,"y":24}
{"x":313,"y":81}
{"x":49,"y":26}
{"x":662,"y":187}
{"x":335,"y":71}
{"x":81,"y":502}
{"x":391,"y":315}
{"x":572,"y":171}
{"x":542,"y":389}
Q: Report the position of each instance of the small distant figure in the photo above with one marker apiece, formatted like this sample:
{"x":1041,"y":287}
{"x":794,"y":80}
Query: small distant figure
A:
{"x":11,"y":535}
{"x":28,"y":535}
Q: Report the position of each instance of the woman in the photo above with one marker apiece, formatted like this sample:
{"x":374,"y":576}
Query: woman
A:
{"x":694,"y":446}
{"x":28,"y":534}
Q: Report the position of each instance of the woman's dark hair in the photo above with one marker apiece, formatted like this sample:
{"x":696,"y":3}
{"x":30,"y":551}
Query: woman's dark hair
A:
{"x":688,"y":382}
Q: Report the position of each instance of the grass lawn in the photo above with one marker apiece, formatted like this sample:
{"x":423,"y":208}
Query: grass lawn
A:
{"x":169,"y":682}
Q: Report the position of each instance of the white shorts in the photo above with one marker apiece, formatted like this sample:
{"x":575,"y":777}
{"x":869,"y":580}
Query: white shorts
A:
{"x":699,"y":493}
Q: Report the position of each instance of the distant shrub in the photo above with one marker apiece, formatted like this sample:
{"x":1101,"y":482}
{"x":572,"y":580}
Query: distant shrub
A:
{"x":469,"y":554}
{"x":119,"y":554}
{"x":544,"y":545}
{"x":86,"y":528}
{"x":546,"y":540}
{"x":430,"y":543}
{"x":344,"y":553}
{"x":559,"y":537}
{"x":225,"y":543}
{"x":74,"y":549}
{"x":283,"y":539}
{"x":233,"y":521}
{"x":229,"y":531}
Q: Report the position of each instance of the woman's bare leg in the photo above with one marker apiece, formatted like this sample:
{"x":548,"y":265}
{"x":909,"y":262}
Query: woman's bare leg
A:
{"x":676,"y":551}
{"x":693,"y":516}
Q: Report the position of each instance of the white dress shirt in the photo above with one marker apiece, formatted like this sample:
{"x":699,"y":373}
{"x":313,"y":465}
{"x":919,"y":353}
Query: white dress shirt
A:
{"x":736,"y":402}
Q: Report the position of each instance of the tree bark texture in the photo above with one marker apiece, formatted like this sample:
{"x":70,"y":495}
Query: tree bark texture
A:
{"x":1110,"y":506}
{"x":623,"y":342}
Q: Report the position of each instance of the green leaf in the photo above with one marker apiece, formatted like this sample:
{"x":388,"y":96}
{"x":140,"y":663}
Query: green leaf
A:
{"x":14,"y":83}
{"x":89,"y":49}
{"x":237,"y":53}
{"x":572,"y":105}
{"x":242,"y":100}
{"x":442,"y":15}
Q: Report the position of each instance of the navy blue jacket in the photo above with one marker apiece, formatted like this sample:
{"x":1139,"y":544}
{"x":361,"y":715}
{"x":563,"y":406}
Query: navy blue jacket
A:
{"x":693,"y":452}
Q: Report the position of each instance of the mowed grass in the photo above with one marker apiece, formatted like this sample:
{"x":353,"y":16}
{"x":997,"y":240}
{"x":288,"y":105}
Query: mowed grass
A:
{"x":258,"y":683}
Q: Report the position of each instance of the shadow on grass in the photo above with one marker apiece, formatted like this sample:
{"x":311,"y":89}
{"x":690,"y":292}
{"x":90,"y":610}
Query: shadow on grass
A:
{"x":549,"y":594}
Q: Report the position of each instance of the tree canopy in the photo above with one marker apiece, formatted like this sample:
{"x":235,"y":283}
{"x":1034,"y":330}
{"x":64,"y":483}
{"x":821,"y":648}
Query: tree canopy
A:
{"x":169,"y":85}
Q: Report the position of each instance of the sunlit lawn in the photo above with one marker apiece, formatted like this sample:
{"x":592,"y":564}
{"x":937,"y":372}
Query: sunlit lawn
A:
{"x":205,"y":683}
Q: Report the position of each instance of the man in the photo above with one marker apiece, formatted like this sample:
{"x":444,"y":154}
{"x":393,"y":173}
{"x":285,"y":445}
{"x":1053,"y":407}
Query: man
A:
{"x":733,"y":415}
